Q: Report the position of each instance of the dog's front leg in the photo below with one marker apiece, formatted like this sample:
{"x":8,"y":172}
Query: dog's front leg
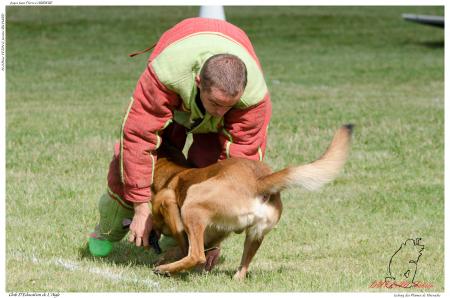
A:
{"x":251,"y":246}
{"x":172,"y":218}
{"x":195,"y":229}
{"x":172,"y":254}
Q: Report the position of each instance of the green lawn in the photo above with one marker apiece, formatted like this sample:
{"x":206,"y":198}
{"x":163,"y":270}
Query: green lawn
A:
{"x":69,"y":80}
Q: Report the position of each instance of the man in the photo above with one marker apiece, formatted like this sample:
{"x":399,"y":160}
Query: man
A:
{"x":203,"y":77}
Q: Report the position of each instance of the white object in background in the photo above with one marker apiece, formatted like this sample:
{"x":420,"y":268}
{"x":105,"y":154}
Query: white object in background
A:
{"x":437,"y":21}
{"x":212,"y":12}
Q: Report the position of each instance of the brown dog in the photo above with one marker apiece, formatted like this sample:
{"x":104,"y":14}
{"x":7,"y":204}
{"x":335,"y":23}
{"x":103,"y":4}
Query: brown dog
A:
{"x":200,"y":207}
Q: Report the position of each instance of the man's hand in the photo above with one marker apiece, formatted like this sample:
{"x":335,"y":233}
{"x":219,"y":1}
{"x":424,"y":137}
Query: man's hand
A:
{"x":141,"y":225}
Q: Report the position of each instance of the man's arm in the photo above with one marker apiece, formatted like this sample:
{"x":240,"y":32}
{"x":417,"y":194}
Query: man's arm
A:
{"x":149,"y":112}
{"x":245,"y":131}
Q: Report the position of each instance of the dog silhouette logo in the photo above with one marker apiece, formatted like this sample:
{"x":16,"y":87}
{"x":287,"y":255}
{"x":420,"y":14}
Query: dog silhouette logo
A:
{"x":403,"y":264}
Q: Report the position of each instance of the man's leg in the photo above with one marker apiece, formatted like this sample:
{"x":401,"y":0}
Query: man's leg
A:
{"x":110,"y":227}
{"x":113,"y":211}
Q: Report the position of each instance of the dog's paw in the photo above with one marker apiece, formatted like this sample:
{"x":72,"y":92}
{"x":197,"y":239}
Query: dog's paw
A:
{"x":160,"y":271}
{"x":171,"y":255}
{"x":160,"y":261}
{"x":240,"y":276}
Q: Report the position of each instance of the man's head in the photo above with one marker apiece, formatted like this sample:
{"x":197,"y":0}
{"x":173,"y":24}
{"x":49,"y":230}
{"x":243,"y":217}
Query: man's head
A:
{"x":222,"y":81}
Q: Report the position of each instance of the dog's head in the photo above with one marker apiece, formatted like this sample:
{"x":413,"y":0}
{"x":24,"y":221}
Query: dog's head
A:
{"x":170,"y":162}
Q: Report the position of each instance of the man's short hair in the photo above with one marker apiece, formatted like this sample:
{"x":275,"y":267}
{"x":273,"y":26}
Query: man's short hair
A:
{"x":226,"y":72}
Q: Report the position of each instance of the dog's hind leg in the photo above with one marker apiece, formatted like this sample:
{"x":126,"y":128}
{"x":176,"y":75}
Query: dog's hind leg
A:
{"x":251,"y":246}
{"x":195,"y":231}
{"x":255,"y":234}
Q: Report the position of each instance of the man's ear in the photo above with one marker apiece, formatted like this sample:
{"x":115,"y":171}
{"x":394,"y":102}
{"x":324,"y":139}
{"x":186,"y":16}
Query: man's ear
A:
{"x":197,"y":80}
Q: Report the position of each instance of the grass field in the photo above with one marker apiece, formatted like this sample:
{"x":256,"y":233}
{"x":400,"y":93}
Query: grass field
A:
{"x":69,"y":80}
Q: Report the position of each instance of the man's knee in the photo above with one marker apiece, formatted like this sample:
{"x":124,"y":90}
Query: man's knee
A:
{"x":113,"y":210}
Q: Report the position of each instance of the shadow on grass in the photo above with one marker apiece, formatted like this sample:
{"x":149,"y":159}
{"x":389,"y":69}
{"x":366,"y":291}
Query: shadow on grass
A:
{"x":194,"y":273}
{"x":126,"y":254}
{"x":433,"y":44}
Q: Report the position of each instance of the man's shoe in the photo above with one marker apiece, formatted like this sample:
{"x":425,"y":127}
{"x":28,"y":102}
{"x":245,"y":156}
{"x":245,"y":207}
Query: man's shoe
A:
{"x":99,"y":247}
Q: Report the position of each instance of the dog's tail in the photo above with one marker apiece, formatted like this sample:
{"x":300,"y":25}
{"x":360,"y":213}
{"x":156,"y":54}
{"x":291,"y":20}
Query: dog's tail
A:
{"x":313,"y":175}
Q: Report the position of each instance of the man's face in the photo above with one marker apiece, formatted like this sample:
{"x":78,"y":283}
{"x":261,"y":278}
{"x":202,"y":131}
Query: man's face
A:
{"x":217,"y":103}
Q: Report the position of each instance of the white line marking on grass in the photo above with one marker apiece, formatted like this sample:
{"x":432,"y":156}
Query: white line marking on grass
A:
{"x":102,"y":272}
{"x":65,"y":264}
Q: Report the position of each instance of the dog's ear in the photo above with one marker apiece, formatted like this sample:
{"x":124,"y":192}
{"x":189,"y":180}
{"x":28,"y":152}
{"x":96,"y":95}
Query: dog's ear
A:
{"x":164,"y":204}
{"x":169,"y":205}
{"x":157,"y":216}
{"x":170,"y":211}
